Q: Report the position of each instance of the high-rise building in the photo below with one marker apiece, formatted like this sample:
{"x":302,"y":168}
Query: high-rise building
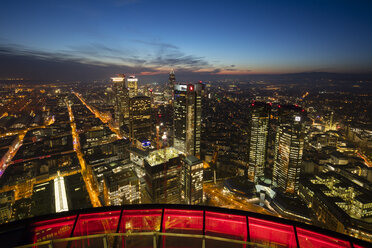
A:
{"x":289,"y":144}
{"x":172,"y":79}
{"x":140,"y":117}
{"x":257,"y":139}
{"x":132,"y":83}
{"x":192,"y":180}
{"x":168,"y":92}
{"x":121,"y":99}
{"x":187,"y":118}
{"x":162,"y":176}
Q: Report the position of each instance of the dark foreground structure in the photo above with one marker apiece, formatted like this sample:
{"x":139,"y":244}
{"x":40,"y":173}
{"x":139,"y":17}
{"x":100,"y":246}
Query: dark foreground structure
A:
{"x":167,"y":226}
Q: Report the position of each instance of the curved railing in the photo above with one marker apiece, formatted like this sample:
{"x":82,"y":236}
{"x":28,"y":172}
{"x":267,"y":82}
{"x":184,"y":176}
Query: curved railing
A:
{"x":168,"y":226}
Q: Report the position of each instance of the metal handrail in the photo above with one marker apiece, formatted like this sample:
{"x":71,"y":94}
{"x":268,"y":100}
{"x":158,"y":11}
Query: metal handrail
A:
{"x":128,"y":234}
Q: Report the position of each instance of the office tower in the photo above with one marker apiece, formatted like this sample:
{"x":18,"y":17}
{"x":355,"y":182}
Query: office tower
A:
{"x":257,"y":139}
{"x":192,"y":180}
{"x":289,"y":144}
{"x":172,"y":79}
{"x":162,"y":176}
{"x":168,"y":93}
{"x":140,"y":117}
{"x":132,"y":83}
{"x":187,"y":118}
{"x":121,"y":99}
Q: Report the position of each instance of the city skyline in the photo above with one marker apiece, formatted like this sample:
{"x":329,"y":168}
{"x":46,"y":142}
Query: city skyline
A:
{"x":186,"y":123}
{"x":92,"y":40}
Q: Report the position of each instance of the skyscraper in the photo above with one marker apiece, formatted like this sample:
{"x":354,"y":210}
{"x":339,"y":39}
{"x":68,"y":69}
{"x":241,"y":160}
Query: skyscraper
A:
{"x":289,"y":144}
{"x":187,"y":118}
{"x":121,"y":99}
{"x":257,"y":139}
{"x":192,"y":180}
{"x":172,"y":79}
{"x":132,"y":83}
{"x":168,"y":93}
{"x":163,"y":175}
{"x":140,"y":117}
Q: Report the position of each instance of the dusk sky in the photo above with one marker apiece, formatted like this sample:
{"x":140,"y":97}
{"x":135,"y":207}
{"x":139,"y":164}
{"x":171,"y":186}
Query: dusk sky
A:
{"x":67,"y":39}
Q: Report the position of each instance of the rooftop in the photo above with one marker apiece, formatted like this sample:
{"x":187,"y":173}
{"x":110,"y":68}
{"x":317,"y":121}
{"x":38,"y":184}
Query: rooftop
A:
{"x":192,"y":160}
{"x":161,"y":156}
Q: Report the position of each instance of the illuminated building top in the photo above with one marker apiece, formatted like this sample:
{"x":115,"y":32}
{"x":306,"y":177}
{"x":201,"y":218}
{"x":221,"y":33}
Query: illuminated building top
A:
{"x":119,"y":78}
{"x":161,"y":156}
{"x":132,"y":79}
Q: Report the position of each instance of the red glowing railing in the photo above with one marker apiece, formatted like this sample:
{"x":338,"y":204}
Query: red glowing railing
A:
{"x":52,"y":229}
{"x":271,"y":233}
{"x":96,"y":223}
{"x":221,"y":224}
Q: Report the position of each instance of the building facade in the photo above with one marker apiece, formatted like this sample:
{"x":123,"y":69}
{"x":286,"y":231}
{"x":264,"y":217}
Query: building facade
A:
{"x":257,"y":139}
{"x":121,"y":99}
{"x":192,"y":180}
{"x":162,"y":177}
{"x":121,"y":188}
{"x":187,"y":118}
{"x":140,"y":117}
{"x":289,"y":144}
{"x":132,"y":83}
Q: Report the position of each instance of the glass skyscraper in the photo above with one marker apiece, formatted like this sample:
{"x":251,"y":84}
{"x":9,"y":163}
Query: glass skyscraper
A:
{"x":257,"y":139}
{"x":289,"y":144}
{"x":121,"y":99}
{"x":187,"y":118}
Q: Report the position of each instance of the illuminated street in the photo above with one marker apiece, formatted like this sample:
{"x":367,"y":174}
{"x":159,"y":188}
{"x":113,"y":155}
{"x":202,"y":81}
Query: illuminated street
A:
{"x":85,"y":171}
{"x":4,"y":163}
{"x":222,"y":199}
{"x":7,"y":158}
{"x":103,"y":117}
{"x":244,"y":125}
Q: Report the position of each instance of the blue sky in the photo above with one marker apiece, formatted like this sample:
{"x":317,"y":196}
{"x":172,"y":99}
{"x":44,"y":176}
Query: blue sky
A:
{"x":223,"y":37}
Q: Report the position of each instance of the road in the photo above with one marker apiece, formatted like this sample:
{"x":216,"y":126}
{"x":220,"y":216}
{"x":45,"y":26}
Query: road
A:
{"x":365,"y":158}
{"x":85,"y":171}
{"x":17,"y":143}
{"x":229,"y":200}
{"x":105,"y":118}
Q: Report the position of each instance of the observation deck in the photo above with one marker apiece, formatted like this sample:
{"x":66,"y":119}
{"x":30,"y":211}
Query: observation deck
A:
{"x":162,"y":225}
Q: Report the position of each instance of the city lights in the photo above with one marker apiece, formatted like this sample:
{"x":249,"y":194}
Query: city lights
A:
{"x":123,"y":125}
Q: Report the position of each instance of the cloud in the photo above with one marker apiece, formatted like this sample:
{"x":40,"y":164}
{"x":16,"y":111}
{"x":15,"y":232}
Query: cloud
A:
{"x":156,"y":44}
{"x":33,"y":64}
{"x":96,"y":61}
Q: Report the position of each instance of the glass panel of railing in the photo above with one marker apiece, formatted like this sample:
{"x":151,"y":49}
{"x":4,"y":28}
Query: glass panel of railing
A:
{"x":182,"y":221}
{"x":225,"y":226}
{"x":96,"y":223}
{"x":308,"y":239}
{"x":271,"y":233}
{"x":140,"y":220}
{"x":52,"y":229}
